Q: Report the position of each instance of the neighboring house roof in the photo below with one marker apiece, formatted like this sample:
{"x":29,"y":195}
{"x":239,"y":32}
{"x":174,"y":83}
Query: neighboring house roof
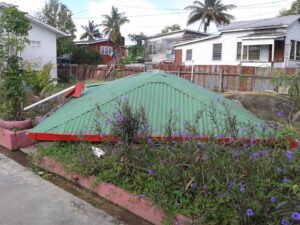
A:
{"x":158,"y":92}
{"x":89,"y":42}
{"x":197,"y":40}
{"x":284,"y":21}
{"x":36,"y":21}
{"x":175,"y":32}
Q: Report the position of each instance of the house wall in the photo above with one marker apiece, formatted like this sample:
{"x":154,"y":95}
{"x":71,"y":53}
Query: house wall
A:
{"x":203,"y":51}
{"x":41,"y":49}
{"x":165,"y":43}
{"x":293,"y":33}
{"x":106,"y":58}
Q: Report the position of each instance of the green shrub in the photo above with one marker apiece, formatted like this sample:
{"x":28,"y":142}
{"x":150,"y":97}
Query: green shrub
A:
{"x":86,"y":55}
{"x":40,"y":82}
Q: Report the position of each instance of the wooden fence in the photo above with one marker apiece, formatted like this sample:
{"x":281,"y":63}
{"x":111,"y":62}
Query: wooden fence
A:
{"x":230,"y":78}
{"x":95,"y":72}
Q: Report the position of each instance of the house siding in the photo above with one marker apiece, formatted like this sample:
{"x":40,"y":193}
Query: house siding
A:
{"x":293,"y":33}
{"x":203,"y":51}
{"x":41,"y":50}
{"x":165,"y":43}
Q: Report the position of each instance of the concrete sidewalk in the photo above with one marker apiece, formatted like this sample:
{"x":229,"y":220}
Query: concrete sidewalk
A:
{"x":27,"y":199}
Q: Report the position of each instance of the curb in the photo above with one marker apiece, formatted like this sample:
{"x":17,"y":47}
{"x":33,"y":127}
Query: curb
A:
{"x":140,"y":207}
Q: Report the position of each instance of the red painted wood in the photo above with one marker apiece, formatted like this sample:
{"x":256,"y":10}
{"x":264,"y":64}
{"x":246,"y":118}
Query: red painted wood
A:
{"x":78,"y":89}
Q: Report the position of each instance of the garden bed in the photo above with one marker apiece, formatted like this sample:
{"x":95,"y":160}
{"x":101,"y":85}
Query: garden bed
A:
{"x":13,"y":134}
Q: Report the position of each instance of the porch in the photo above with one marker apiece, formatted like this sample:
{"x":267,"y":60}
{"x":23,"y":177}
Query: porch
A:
{"x":262,"y":50}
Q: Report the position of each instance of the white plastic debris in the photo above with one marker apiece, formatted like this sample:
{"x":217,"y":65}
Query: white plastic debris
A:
{"x":98,"y":152}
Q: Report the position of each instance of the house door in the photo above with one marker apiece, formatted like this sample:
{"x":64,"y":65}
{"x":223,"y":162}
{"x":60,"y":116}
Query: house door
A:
{"x":178,"y":57}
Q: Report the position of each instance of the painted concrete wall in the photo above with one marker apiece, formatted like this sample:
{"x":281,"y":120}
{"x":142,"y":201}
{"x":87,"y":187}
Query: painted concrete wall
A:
{"x":41,"y":49}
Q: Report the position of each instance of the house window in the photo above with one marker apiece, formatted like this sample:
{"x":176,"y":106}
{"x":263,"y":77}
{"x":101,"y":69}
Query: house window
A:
{"x":292,"y":54}
{"x":239,"y":51}
{"x":245,"y":52}
{"x":254,"y":52}
{"x":189,"y":55}
{"x":152,"y":49}
{"x":106,"y":50}
{"x":217,"y":51}
{"x":298,"y":51}
{"x":251,"y":52}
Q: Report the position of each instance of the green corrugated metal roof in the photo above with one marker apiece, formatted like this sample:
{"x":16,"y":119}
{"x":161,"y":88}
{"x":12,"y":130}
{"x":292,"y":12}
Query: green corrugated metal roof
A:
{"x":158,"y":92}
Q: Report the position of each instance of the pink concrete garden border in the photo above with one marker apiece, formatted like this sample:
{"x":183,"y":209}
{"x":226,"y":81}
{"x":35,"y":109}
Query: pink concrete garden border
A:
{"x":13,"y":140}
{"x":140,"y":207}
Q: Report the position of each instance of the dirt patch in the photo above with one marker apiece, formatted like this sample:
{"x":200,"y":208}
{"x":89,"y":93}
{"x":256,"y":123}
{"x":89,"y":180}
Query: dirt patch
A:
{"x":267,"y":105}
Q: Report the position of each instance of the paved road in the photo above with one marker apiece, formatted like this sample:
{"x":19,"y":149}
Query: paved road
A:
{"x":27,"y":199}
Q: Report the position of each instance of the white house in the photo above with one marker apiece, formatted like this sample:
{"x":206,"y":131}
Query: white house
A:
{"x":159,"y":47}
{"x":264,"y":43}
{"x":41,"y":48}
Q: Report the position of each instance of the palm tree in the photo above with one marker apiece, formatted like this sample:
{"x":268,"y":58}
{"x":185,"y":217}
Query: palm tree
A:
{"x":209,"y":11}
{"x":112,"y":24}
{"x":91,"y":31}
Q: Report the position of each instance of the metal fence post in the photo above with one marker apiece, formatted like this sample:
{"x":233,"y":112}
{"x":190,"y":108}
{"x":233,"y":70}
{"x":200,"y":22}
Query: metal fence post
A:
{"x":221,"y":78}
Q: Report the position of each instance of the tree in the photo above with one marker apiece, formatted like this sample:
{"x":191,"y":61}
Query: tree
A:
{"x":137,"y":38}
{"x":112,"y":25}
{"x":59,"y":16}
{"x":14,"y":31}
{"x":136,"y":52}
{"x":171,"y":28}
{"x":85,"y":55}
{"x":295,"y":9}
{"x":209,"y":11}
{"x":91,"y":31}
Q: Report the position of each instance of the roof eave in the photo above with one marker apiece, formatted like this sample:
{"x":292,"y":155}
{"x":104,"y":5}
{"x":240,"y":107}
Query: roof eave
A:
{"x":197,"y":40}
{"x":257,"y":28}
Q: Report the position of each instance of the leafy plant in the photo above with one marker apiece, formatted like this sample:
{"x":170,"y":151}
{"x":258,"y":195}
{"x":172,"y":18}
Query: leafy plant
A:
{"x":86,"y":55}
{"x":12,"y":90}
{"x":14,"y":30}
{"x":40,"y":82}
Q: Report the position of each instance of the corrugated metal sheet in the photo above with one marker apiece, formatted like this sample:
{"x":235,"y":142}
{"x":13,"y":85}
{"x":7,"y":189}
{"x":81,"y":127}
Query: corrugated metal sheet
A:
{"x":272,"y":22}
{"x":158,"y":92}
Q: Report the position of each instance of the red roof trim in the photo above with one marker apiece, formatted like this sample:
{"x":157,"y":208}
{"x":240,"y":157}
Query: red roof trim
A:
{"x":109,"y":138}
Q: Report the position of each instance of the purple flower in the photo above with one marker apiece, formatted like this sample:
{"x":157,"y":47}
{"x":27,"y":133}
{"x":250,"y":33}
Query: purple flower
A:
{"x":229,"y":184}
{"x":240,"y":139}
{"x":219,"y":136}
{"x":253,"y":156}
{"x":242,"y":189}
{"x":295,"y":216}
{"x":150,"y":141}
{"x":280,"y":114}
{"x":252,"y":141}
{"x":285,"y":180}
{"x":243,"y":130}
{"x":222,"y":195}
{"x":150,"y":172}
{"x":125,"y":98}
{"x":284,"y":222}
{"x":184,"y":134}
{"x":175,"y":133}
{"x":249,"y":212}
{"x":142,"y":196}
{"x":289,"y":155}
{"x":119,"y":117}
{"x":263,"y":127}
{"x":193,"y":186}
{"x":273,"y":200}
{"x":298,"y":143}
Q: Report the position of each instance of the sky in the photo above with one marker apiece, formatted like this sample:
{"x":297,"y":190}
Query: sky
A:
{"x":150,"y":16}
